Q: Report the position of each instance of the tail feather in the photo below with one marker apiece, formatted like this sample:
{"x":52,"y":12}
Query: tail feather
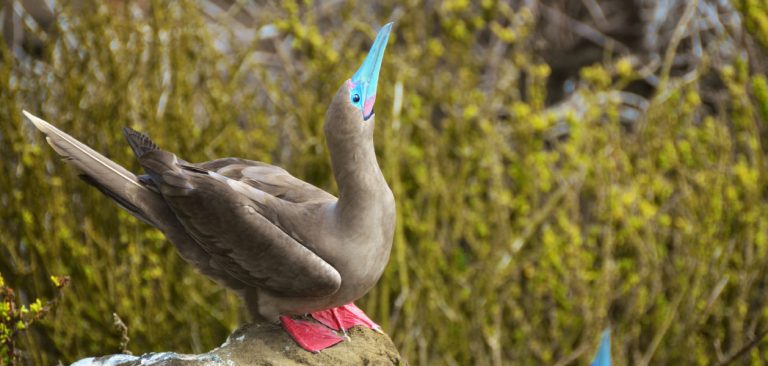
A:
{"x":79,"y":154}
{"x":122,"y":202}
{"x":109,"y":177}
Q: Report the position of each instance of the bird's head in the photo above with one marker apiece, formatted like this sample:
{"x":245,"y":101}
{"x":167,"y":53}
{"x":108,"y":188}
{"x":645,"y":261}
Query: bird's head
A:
{"x":362,"y":85}
{"x":354,"y":100}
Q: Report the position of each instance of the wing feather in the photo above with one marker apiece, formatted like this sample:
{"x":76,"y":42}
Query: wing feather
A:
{"x":268,"y":178}
{"x":230,"y":226}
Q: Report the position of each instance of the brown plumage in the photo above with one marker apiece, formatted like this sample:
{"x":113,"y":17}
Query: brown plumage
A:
{"x":285,"y":245}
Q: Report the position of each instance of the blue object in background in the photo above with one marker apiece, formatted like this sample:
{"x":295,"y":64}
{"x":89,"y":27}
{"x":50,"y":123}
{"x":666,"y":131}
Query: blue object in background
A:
{"x":603,"y":355}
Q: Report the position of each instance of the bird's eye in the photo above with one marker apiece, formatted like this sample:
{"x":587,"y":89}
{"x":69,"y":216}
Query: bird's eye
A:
{"x":356,"y":98}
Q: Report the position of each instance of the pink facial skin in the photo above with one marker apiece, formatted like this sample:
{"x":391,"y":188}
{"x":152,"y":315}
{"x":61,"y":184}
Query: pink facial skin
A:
{"x":368,"y":106}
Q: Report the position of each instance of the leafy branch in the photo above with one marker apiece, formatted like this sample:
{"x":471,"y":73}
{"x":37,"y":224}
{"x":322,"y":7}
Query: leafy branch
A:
{"x":16,"y":318}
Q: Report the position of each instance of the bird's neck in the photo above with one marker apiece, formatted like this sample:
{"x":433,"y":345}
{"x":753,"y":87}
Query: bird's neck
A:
{"x":362,"y":186}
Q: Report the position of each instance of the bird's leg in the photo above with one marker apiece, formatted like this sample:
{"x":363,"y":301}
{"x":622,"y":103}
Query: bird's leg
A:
{"x":309,"y":334}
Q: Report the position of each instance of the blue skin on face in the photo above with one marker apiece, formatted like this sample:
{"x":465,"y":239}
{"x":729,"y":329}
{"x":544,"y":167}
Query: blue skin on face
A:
{"x":362,"y":86}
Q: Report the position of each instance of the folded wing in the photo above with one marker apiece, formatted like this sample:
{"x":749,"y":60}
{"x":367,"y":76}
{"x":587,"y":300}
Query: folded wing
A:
{"x":230,"y":226}
{"x":268,"y":178}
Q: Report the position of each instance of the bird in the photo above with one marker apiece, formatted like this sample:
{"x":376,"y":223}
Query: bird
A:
{"x":297,"y":255}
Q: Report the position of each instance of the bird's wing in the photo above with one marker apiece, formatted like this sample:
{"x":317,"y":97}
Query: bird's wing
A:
{"x":124,"y":188}
{"x":268,"y":178}
{"x":229,"y":225}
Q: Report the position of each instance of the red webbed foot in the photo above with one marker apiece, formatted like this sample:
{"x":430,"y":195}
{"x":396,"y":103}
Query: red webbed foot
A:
{"x":318,"y":335}
{"x":309,"y":334}
{"x":345,"y":317}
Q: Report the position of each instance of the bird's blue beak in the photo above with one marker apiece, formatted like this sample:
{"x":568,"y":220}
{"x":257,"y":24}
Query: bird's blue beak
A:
{"x":362,"y":86}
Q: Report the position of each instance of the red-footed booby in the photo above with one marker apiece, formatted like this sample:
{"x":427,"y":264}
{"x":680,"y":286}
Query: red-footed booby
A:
{"x":295,"y":253}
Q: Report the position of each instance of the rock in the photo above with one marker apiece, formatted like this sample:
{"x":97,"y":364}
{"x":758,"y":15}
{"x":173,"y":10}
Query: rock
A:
{"x":268,"y":344}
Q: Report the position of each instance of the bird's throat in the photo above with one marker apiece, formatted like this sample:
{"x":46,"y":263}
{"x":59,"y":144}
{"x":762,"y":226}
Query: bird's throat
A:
{"x":362,"y":186}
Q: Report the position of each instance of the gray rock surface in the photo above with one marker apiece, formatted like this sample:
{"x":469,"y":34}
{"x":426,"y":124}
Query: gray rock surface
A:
{"x":268,"y":344}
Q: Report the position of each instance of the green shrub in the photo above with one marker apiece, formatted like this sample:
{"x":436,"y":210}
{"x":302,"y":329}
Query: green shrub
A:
{"x":14,"y":319}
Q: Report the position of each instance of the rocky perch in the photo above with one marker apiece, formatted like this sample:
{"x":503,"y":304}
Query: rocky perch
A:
{"x":267,"y":344}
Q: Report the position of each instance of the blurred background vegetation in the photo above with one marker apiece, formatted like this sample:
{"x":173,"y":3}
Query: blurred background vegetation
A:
{"x":560,"y":167}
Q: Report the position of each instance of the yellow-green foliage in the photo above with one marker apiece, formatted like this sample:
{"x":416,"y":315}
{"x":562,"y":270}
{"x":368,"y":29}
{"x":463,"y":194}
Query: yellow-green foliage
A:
{"x":755,"y":13}
{"x":15,"y":318}
{"x":509,"y":249}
